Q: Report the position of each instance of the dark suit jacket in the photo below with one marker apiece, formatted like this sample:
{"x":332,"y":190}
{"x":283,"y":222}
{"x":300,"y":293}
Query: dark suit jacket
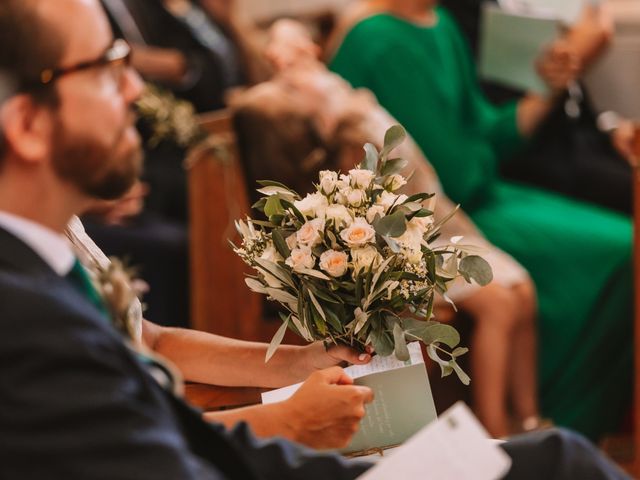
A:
{"x":75,"y":403}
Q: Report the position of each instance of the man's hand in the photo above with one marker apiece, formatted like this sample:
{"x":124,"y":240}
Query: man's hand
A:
{"x":326,"y":410}
{"x":117,"y":212}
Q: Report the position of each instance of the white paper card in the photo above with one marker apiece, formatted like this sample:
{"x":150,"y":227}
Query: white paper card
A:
{"x":377,"y":364}
{"x":455,"y":447}
{"x":567,"y":11}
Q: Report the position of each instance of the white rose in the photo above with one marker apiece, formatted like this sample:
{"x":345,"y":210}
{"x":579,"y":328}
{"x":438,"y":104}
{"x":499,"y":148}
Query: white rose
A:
{"x":395,"y":182}
{"x":309,"y":234}
{"x":411,"y":243}
{"x":359,"y":233}
{"x":354,"y":197}
{"x":328,"y":182}
{"x":364,"y":258}
{"x":300,"y":259}
{"x":334,"y":263}
{"x":313,"y":205}
{"x":375,"y":210}
{"x":361,"y":178}
{"x":344,"y":182}
{"x":421,"y":224}
{"x":271,"y":254}
{"x":387,"y":199}
{"x":339,"y":214}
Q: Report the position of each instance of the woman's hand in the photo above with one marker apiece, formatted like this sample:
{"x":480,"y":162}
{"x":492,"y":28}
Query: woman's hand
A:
{"x":558,"y":66}
{"x":626,"y":140}
{"x":317,"y":357}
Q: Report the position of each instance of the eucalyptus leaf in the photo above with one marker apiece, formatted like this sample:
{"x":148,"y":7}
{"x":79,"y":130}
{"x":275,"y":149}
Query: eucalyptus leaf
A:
{"x":393,"y":225}
{"x":370,"y":157}
{"x":381,"y":342}
{"x":445,"y":365}
{"x":276,"y":340}
{"x":477,"y":268}
{"x":464,"y":378}
{"x":437,"y":333}
{"x":459,"y":351}
{"x":393,"y":137}
{"x":400,"y":344}
{"x":392,"y":244}
{"x":393,"y":165}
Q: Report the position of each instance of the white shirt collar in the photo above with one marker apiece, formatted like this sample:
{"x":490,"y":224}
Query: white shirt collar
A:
{"x":51,"y":246}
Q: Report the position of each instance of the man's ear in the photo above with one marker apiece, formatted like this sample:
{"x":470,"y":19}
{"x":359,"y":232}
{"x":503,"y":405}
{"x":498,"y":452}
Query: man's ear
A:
{"x":26,"y":128}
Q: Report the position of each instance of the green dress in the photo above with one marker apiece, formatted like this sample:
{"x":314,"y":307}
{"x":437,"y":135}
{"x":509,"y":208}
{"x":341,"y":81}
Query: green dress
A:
{"x":578,"y":255}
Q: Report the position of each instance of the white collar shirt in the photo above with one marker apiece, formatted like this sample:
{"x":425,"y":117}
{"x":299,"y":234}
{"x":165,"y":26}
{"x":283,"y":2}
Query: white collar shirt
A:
{"x":51,"y":246}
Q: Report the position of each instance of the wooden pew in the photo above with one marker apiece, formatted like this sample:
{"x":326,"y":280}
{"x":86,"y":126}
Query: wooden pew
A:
{"x":220,"y":301}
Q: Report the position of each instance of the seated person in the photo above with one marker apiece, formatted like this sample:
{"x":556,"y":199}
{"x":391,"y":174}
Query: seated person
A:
{"x":320,"y":415}
{"x":584,"y":155}
{"x":412,"y":57}
{"x":308,"y":113}
{"x":196,"y":50}
{"x":75,"y":402}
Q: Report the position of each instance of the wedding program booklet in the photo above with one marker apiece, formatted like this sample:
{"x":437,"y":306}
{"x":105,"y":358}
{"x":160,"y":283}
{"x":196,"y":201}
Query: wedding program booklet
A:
{"x":402,"y":403}
{"x":567,"y":11}
{"x":455,"y":447}
{"x":510,"y":44}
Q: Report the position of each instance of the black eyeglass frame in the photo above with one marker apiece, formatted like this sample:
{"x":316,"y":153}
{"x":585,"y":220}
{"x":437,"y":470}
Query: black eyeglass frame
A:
{"x":118,"y":52}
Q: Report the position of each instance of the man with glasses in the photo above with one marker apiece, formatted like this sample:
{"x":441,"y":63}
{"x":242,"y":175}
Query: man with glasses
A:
{"x":75,"y":402}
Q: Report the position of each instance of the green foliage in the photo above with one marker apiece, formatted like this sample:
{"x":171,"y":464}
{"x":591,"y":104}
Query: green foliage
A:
{"x":366,"y":299}
{"x":476,"y":268}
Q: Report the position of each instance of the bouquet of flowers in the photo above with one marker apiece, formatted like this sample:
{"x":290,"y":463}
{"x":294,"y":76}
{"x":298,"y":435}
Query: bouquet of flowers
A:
{"x":354,"y":262}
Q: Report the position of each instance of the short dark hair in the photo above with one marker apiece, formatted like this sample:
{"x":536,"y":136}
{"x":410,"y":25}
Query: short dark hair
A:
{"x":30,"y":44}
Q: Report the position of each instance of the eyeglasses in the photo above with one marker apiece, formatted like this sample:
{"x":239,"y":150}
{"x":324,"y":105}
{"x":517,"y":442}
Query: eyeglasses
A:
{"x":118,"y":57}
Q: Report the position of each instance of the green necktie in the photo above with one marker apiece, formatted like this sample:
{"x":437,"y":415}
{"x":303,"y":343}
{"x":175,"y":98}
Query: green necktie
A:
{"x":79,"y":277}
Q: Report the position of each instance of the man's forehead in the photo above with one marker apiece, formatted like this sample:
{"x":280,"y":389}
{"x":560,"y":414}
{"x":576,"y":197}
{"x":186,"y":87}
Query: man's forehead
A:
{"x":82,"y":25}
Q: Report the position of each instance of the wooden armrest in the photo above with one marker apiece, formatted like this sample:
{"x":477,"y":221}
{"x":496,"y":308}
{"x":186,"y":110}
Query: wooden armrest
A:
{"x":212,"y":397}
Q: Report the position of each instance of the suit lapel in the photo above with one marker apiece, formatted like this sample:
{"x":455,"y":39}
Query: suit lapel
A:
{"x":15,"y":255}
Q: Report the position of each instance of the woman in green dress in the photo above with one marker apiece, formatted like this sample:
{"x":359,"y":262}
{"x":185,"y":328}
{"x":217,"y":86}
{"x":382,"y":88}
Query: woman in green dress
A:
{"x":412,"y":56}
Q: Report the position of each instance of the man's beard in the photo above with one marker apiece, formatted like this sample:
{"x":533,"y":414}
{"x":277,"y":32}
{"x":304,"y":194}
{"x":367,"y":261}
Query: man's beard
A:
{"x":96,"y":170}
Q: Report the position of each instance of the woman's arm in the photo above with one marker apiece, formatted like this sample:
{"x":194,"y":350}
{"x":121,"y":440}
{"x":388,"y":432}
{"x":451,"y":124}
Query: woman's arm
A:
{"x":206,"y":358}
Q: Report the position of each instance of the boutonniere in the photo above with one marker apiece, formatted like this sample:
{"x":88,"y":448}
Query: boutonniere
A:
{"x":120,"y":291}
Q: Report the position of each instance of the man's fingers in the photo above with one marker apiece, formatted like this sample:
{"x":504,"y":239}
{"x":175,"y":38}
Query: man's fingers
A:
{"x":334,"y":375}
{"x":366,"y":393}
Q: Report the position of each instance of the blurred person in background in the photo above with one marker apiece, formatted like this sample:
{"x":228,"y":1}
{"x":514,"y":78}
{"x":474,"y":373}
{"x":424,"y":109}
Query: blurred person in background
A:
{"x":309,"y":113}
{"x":412,"y":56}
